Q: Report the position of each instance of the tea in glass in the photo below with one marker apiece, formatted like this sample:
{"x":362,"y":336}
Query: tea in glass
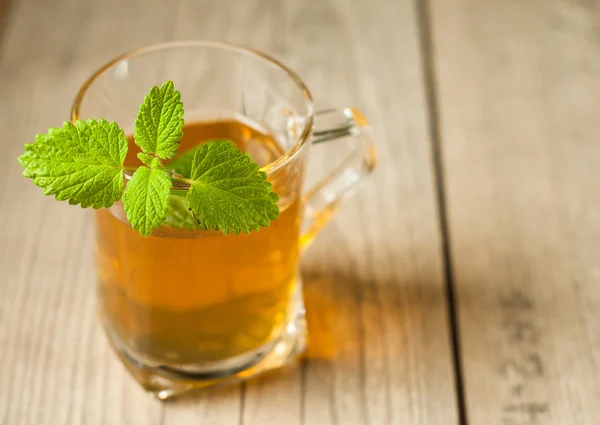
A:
{"x":181,"y":297}
{"x":188,"y":309}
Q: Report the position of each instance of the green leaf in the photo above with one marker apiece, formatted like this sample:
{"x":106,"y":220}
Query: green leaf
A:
{"x":149,"y":160}
{"x":159,"y":124}
{"x":146,"y":198}
{"x":179,"y":215}
{"x":182,"y":164}
{"x":81,"y":163}
{"x":228,"y":192}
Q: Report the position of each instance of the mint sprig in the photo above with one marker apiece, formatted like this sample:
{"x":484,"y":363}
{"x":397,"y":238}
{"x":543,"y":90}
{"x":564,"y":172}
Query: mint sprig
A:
{"x":83,"y":163}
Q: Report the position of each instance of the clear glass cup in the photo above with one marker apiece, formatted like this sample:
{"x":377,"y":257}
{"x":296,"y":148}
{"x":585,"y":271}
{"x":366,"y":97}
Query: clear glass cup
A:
{"x":188,"y":309}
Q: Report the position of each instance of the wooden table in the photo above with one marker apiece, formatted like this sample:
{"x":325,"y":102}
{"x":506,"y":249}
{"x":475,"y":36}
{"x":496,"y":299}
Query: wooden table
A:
{"x":460,"y":286}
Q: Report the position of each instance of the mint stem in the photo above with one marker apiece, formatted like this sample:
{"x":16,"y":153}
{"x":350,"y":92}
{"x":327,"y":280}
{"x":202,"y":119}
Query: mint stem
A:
{"x":178,"y":177}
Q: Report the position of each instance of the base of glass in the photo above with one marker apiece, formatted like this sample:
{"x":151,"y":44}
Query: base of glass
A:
{"x":166,"y":381}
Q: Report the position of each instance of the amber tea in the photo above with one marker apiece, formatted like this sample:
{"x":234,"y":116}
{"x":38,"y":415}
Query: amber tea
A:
{"x":188,"y":297}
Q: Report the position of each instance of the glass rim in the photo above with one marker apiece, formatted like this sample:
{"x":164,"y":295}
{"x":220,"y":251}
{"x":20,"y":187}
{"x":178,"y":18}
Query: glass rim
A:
{"x":248,"y":51}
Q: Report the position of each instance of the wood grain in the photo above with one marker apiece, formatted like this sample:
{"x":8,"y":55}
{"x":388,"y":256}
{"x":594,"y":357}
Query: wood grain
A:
{"x":379,"y":351}
{"x":374,"y":279}
{"x":519,"y":92}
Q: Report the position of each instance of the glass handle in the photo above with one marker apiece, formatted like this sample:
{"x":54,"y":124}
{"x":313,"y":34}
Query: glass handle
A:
{"x":354,"y":157}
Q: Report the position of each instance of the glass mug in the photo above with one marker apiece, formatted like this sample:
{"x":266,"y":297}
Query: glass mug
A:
{"x":189,"y":309}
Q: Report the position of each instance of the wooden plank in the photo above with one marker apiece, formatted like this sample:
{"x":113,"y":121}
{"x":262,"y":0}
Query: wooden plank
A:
{"x":519,"y":91}
{"x":374,"y":282}
{"x":55,"y":364}
{"x":374,"y":285}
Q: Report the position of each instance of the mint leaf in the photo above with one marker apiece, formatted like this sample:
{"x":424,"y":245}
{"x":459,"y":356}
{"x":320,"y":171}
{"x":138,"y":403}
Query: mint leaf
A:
{"x":179,"y":215}
{"x":159,"y":124}
{"x":149,"y":160}
{"x":228,"y":192}
{"x":146,"y":198}
{"x":81,"y":163}
{"x":182,"y":164}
